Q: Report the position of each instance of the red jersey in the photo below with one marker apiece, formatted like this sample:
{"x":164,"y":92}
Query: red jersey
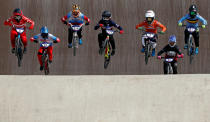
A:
{"x":22,"y":24}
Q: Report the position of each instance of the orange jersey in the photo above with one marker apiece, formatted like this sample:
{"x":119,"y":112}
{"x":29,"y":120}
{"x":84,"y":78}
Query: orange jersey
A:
{"x":151,"y":27}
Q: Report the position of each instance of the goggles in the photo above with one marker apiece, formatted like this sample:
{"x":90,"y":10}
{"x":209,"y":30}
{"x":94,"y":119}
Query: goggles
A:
{"x":106,"y":18}
{"x":149,"y":19}
{"x":17,"y":17}
{"x":193,"y":13}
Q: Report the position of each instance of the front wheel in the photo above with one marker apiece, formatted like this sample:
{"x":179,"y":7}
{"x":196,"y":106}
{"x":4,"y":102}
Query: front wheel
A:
{"x":189,"y":46}
{"x":106,"y":62}
{"x":45,"y":63}
{"x":74,"y":51}
{"x":146,"y":53}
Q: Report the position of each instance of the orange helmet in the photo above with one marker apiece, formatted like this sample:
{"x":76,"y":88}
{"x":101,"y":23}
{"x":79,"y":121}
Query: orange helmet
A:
{"x":76,"y":10}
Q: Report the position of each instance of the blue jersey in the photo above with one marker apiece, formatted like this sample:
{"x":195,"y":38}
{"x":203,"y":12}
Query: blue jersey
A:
{"x":193,"y":22}
{"x":75,"y":20}
{"x":41,"y":40}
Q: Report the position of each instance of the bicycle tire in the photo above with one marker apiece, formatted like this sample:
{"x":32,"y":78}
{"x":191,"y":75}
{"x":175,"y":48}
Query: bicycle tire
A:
{"x":146,"y":53}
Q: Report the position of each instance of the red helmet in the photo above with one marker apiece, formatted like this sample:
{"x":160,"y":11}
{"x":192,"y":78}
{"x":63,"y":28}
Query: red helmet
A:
{"x":17,"y":12}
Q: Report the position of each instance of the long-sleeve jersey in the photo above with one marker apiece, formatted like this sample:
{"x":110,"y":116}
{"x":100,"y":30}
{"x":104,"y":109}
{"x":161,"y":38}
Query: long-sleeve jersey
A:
{"x":171,"y":52}
{"x":22,"y":24}
{"x":49,"y":40}
{"x":106,"y":23}
{"x":192,"y":22}
{"x":75,"y":20}
{"x":151,"y":27}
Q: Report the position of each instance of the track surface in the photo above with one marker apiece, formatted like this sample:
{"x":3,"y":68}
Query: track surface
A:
{"x":127,"y":13}
{"x":179,"y":98}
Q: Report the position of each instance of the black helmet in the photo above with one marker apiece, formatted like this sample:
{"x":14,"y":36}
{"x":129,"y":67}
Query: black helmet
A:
{"x":193,"y":11}
{"x":106,"y":15}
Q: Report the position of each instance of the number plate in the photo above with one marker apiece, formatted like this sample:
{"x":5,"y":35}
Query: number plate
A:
{"x":45,"y":45}
{"x":110,"y":32}
{"x":169,"y":59}
{"x":20,"y":30}
{"x":150,"y":35}
{"x":191,"y":29}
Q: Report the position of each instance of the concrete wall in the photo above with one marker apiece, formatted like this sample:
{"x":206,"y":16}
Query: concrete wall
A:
{"x":181,"y":98}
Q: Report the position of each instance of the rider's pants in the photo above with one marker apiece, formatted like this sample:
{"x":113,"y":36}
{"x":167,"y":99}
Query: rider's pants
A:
{"x":71,"y":35}
{"x":153,"y":42}
{"x":49,"y":52}
{"x":14,"y":34}
{"x":194,"y":34}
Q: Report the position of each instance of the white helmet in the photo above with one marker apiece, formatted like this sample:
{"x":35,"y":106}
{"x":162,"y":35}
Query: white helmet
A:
{"x":150,"y":13}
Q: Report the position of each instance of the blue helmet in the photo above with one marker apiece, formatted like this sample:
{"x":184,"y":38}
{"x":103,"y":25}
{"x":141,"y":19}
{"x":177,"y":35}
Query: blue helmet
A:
{"x":172,"y":41}
{"x":44,"y":29}
{"x":44,"y":32}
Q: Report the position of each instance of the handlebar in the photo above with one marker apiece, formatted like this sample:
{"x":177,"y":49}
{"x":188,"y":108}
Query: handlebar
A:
{"x":186,"y":25}
{"x":144,"y":30}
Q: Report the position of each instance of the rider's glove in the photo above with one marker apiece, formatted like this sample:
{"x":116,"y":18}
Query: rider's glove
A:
{"x":140,"y":28}
{"x":180,"y":56}
{"x":203,"y":26}
{"x":87,"y":23}
{"x":161,"y":32}
{"x":159,"y":57}
{"x":35,"y":41}
{"x":101,"y":25}
{"x":65,"y":23}
{"x":55,"y":41}
{"x":180,"y":24}
{"x":121,"y":32}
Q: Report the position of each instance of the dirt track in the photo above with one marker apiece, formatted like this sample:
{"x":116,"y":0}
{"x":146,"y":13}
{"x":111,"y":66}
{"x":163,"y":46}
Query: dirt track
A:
{"x":127,"y":13}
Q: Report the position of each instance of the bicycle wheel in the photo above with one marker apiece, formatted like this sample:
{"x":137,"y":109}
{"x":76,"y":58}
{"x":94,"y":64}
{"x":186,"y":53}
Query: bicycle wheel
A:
{"x":170,"y":69}
{"x":146,"y":53}
{"x":46,"y":71}
{"x":75,"y":45}
{"x":19,"y":51}
{"x":19,"y":56}
{"x":107,"y":56}
{"x":189,"y":44}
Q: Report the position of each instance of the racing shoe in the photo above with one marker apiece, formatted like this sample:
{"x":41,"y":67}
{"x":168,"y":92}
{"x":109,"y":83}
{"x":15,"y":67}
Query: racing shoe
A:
{"x":113,"y":53}
{"x":24,"y":50}
{"x":50,"y":61}
{"x":196,"y":50}
{"x":70,"y":45}
{"x":153,"y":52}
{"x":13,"y":50}
{"x":143,"y":50}
{"x":41,"y":68}
{"x":185,"y":46}
{"x":80,"y":41}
